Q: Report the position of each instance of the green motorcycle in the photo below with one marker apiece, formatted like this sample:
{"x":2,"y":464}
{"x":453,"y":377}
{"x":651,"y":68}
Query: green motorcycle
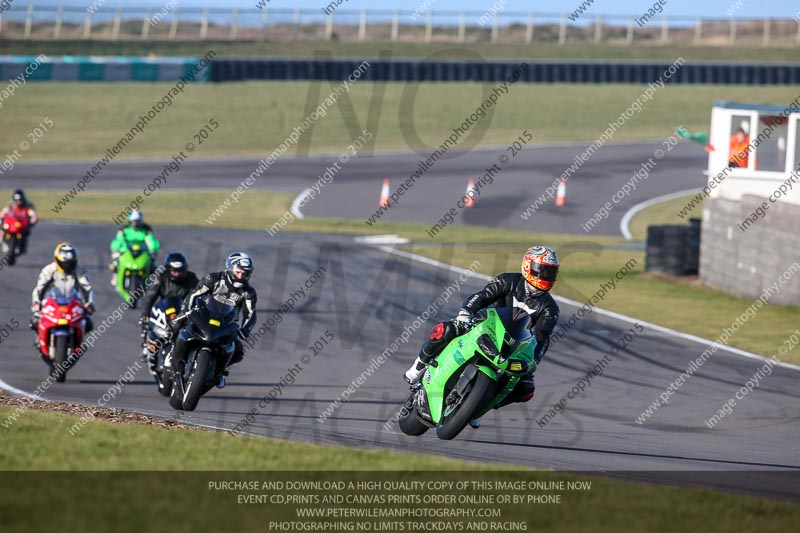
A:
{"x":133,"y":268}
{"x":471,"y":375}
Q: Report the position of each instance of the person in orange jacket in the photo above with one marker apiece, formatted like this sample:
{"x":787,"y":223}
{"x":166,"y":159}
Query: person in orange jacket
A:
{"x":738,"y":155}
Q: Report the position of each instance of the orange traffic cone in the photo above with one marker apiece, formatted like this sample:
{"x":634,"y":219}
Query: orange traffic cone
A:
{"x":384,"y":201}
{"x":561,"y":193}
{"x":470,"y":198}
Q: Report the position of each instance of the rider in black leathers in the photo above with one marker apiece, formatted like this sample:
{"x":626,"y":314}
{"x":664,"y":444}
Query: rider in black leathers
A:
{"x":231,"y":284}
{"x":527,"y":293}
{"x":175,"y":281}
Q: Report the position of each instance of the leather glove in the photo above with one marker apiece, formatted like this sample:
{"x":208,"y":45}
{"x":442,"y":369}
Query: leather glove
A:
{"x":464,"y":316}
{"x":143,"y":320}
{"x":35,"y":307}
{"x":89,"y":308}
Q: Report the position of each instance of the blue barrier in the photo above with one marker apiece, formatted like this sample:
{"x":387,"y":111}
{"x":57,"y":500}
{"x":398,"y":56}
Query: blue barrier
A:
{"x":561,"y":71}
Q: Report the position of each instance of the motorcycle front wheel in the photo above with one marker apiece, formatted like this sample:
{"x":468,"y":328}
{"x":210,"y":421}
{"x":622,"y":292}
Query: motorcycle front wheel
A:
{"x":481,"y":393}
{"x":202,"y":366}
{"x":10,"y":246}
{"x":59,"y":368}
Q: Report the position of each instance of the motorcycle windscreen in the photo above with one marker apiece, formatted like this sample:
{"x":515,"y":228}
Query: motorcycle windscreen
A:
{"x":62,"y":297}
{"x":216,"y":320}
{"x":134,"y":258}
{"x":518,"y":342}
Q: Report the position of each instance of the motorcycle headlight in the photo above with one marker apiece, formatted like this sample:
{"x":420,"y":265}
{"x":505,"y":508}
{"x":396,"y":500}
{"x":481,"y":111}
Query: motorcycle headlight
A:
{"x":487,"y":346}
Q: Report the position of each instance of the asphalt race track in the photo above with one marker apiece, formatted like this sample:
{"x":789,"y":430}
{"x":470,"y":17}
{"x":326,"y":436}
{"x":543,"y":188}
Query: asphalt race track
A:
{"x":522,"y":180}
{"x":364,"y":300}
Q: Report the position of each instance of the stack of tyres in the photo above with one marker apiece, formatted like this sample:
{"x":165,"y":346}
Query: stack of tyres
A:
{"x":692,"y":266}
{"x":673,"y":259}
{"x":673,"y":249}
{"x":654,"y":252}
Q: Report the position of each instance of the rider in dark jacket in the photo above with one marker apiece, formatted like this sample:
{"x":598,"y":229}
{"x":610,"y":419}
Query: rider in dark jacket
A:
{"x":176,"y":280}
{"x":527,"y":293}
{"x":233,"y":285}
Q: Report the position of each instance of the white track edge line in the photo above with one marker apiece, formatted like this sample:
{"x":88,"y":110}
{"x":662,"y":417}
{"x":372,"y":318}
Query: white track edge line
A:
{"x":630,"y":213}
{"x":18,"y":392}
{"x":295,"y":209}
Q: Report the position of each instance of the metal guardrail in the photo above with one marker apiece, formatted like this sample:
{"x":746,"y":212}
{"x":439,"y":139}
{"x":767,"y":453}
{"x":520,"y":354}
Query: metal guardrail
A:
{"x":174,"y":23}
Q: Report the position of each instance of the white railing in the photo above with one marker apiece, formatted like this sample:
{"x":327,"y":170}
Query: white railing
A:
{"x":422,"y":24}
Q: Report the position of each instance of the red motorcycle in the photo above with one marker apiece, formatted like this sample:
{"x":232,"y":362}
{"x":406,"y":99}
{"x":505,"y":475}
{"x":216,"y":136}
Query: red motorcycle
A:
{"x":14,"y":228}
{"x":62,"y":325}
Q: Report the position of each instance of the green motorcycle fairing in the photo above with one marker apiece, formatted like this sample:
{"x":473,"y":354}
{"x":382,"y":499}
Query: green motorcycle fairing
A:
{"x":483,"y":347}
{"x":134,"y":259}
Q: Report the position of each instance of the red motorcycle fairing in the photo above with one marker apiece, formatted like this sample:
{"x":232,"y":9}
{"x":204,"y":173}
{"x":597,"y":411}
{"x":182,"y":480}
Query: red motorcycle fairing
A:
{"x":15,"y":224}
{"x":61,"y":315}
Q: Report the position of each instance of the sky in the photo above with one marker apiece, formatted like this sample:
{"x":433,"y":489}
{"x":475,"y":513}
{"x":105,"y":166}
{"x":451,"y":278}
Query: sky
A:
{"x":688,"y":8}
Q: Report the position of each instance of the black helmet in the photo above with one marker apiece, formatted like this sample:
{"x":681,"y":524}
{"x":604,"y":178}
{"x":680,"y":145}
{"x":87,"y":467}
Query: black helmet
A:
{"x":176,"y":264}
{"x":66,"y":257}
{"x":238,"y":261}
{"x":19,"y":197}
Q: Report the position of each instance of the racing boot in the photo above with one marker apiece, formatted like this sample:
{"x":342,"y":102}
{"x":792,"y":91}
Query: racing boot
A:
{"x":168,"y":361}
{"x":438,"y":338}
{"x":414,"y":373}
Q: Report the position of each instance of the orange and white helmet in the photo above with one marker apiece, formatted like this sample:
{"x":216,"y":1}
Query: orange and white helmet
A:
{"x":540,"y":267}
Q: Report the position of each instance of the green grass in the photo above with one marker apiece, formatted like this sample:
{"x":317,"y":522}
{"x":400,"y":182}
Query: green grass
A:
{"x":255,"y":117}
{"x":662,"y":213}
{"x":373,"y":49}
{"x":133,"y":500}
{"x":587,"y":262}
{"x":101,"y":445}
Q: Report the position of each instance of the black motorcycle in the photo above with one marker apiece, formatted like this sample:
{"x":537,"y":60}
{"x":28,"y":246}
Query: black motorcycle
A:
{"x":209,"y":340}
{"x":155,"y":335}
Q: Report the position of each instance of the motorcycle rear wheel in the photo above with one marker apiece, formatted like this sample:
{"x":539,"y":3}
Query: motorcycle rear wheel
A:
{"x":410,"y":424}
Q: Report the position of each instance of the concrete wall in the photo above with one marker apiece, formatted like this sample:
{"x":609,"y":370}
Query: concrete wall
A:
{"x":745,"y":263}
